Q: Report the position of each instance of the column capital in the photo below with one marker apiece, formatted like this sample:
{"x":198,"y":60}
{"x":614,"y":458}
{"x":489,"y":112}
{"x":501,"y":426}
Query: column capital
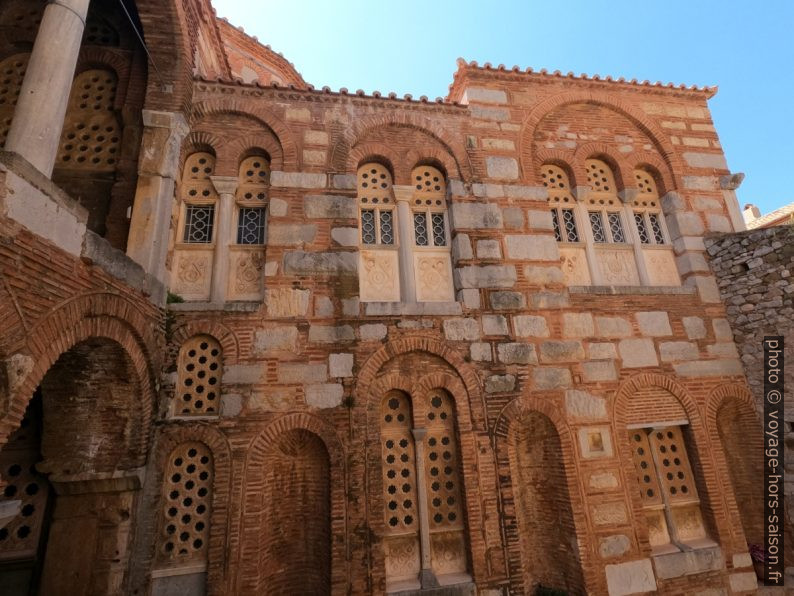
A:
{"x":627,"y":195}
{"x":174,"y":121}
{"x":419,"y":434}
{"x":403,"y":192}
{"x":225,"y":185}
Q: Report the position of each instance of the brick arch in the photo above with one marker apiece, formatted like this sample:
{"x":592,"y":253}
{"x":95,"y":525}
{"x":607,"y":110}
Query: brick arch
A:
{"x":100,"y":57}
{"x":376,"y":152}
{"x":638,"y":118}
{"x":98,"y":315}
{"x":505,"y":427}
{"x":605,"y":153}
{"x":432,"y":156}
{"x":234,"y":151}
{"x":263,"y":115}
{"x":256,"y":460}
{"x":351,"y":136}
{"x":171,"y":437}
{"x":654,"y":164}
{"x":702,"y":452}
{"x":222,"y":333}
{"x":558,"y":157}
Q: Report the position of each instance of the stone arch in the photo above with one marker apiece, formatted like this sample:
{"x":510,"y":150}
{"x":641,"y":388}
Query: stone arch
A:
{"x":699,"y":452}
{"x":221,"y":332}
{"x":87,"y":316}
{"x":733,"y":424}
{"x":506,"y":431}
{"x":259,"y":452}
{"x":453,"y":147}
{"x":282,"y":132}
{"x":645,"y":124}
{"x":171,"y":437}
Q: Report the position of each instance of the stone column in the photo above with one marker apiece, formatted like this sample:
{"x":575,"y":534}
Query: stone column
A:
{"x":627,"y":197}
{"x":35,"y":131}
{"x":147,"y":243}
{"x":583,"y":217}
{"x":405,"y":226}
{"x":426,"y":575}
{"x":226,"y":187}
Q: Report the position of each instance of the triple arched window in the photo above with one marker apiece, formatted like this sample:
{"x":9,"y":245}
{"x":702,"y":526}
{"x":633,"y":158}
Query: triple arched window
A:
{"x":607,"y":238}
{"x":404,"y":236}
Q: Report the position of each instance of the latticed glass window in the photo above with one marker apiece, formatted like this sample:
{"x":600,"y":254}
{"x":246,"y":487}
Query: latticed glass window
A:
{"x":199,"y":365}
{"x":187,"y":500}
{"x":199,"y":222}
{"x":616,"y":227}
{"x":253,"y":179}
{"x":251,"y":225}
{"x":376,"y":217}
{"x":597,"y":225}
{"x":667,"y":487}
{"x":430,"y":228}
{"x":647,"y":213}
{"x":555,"y":180}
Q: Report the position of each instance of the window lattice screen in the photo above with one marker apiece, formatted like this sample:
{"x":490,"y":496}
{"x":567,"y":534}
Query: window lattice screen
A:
{"x":253,"y":178}
{"x":12,"y":71}
{"x":599,"y":176}
{"x":200,"y":365}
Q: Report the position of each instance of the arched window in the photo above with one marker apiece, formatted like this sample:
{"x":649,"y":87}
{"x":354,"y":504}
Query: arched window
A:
{"x":199,"y":366}
{"x":191,"y":275}
{"x":603,"y":206}
{"x":379,"y":271}
{"x":420,"y":457}
{"x":562,"y":203}
{"x":182,"y":540}
{"x":252,"y":183}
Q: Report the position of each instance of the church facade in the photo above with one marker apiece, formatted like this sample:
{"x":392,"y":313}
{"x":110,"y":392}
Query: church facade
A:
{"x":264,"y":338}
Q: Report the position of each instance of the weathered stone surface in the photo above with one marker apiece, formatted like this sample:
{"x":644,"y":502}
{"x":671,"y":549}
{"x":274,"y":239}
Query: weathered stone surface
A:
{"x":683,"y":223}
{"x":654,"y":323}
{"x":487,"y":276}
{"x":637,"y":353}
{"x":323,"y":306}
{"x":544,"y":300}
{"x":494,"y":325}
{"x":489,"y":249}
{"x":551,"y":378}
{"x":609,"y":327}
{"x":340,"y":365}
{"x":718,"y":223}
{"x":315,"y":137}
{"x":614,"y":546}
{"x":330,"y":206}
{"x":585,"y":407}
{"x":351,"y":307}
{"x":743,"y":582}
{"x":602,"y":480}
{"x":479,"y":94}
{"x":345,"y":236}
{"x":462,"y":329}
{"x":634,"y":577}
{"x":298,"y":372}
{"x":540,"y":220}
{"x":287,"y":302}
{"x":607,"y":514}
{"x":543,"y":275}
{"x":676,"y":351}
{"x":708,"y":368}
{"x":320,"y":263}
{"x":242,"y":374}
{"x":513,"y":218}
{"x":691,"y":562}
{"x":297,"y":180}
{"x":507,"y":300}
{"x":501,"y":167}
{"x":705,"y":160}
{"x":577,"y":325}
{"x":324,"y":395}
{"x":599,"y":370}
{"x":276,"y":339}
{"x":372,"y":332}
{"x":277,"y":207}
{"x":561,"y":351}
{"x":344,"y":181}
{"x":476,"y":216}
{"x":533,"y":248}
{"x":602,"y":350}
{"x":329,"y":334}
{"x":485,"y":113}
{"x":461,"y":247}
{"x":530,"y":326}
{"x":470,"y":298}
{"x":290,"y":234}
{"x":481,"y":352}
{"x":500,"y":383}
{"x":517,"y":353}
{"x":534,"y":193}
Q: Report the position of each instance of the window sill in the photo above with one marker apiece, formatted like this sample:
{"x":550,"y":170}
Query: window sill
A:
{"x":412,"y":308}
{"x":705,"y":556}
{"x":633,"y":290}
{"x":251,"y":306}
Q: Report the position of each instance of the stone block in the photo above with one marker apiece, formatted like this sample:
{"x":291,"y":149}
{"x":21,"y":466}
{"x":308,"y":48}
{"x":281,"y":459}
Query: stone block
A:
{"x":461,"y":247}
{"x":324,"y":395}
{"x":654,"y":323}
{"x":513,"y":218}
{"x":315,"y":137}
{"x":485,"y":113}
{"x":612,"y":327}
{"x":544,"y":300}
{"x":709,"y":368}
{"x":718,"y":223}
{"x":372,"y":332}
{"x":275,"y":339}
{"x":323,"y":307}
{"x":501,"y":167}
{"x":722,"y":330}
{"x":345,"y":236}
{"x":498,"y":145}
{"x":517,"y":353}
{"x":351,"y":307}
{"x":481,"y":352}
{"x":701,"y":560}
{"x":482,"y":95}
{"x":532,"y":193}
{"x":551,"y":378}
{"x":290,"y":234}
{"x":614,"y":546}
{"x":633,"y":577}
{"x":340,"y":365}
{"x":486,"y":276}
{"x":330,"y":207}
{"x":298,"y":372}
{"x":494,"y":325}
{"x":287,"y":302}
{"x":344,"y":181}
{"x":314,"y":157}
{"x":637,"y":353}
{"x":329,"y":334}
{"x":461,"y":329}
{"x":470,"y":298}
{"x":178,"y":585}
{"x":596,"y":442}
{"x":561,"y":351}
{"x":530,"y":326}
{"x":540,"y":220}
{"x":500,"y":383}
{"x":242,"y":374}
{"x":507,"y":300}
{"x":694,"y":327}
{"x":532,"y":248}
{"x":489,"y":249}
{"x":743,"y":582}
{"x":602,"y":351}
{"x":684,"y":223}
{"x":700,"y":182}
{"x":742,"y":560}
{"x":577,"y":325}
{"x":297,"y":180}
{"x":706,"y":287}
{"x":543,"y":275}
{"x":277,"y":207}
{"x":299,"y":114}
{"x":231,"y":405}
{"x":585,"y":407}
{"x":603,"y":480}
{"x":690,"y":262}
{"x":676,"y":351}
{"x":714,"y":161}
{"x":320,"y":263}
{"x":476,"y":216}
{"x":271,"y":268}
{"x":599,"y":370}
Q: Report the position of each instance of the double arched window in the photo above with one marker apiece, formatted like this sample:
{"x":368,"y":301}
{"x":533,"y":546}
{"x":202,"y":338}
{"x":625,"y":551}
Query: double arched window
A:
{"x":607,"y":238}
{"x":404,"y":236}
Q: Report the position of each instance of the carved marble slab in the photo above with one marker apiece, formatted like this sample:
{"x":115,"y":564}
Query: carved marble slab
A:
{"x":379,"y":276}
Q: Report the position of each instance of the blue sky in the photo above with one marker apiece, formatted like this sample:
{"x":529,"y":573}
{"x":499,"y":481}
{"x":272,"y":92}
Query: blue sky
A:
{"x":410,"y":47}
